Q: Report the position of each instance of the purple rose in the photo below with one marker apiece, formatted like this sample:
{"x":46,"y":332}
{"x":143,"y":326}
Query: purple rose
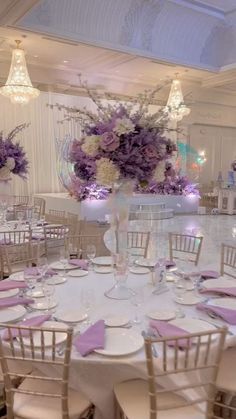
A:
{"x":110,"y":141}
{"x":151,"y":151}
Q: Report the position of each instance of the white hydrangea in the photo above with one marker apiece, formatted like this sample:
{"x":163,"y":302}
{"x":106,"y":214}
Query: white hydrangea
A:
{"x":123,"y":126}
{"x":10,"y":163}
{"x":159,"y":174}
{"x":107,"y":172}
{"x":91,"y":145}
{"x":5,"y":173}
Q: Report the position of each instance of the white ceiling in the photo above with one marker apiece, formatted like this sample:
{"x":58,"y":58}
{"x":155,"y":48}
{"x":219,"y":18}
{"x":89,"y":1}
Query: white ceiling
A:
{"x":63,"y":38}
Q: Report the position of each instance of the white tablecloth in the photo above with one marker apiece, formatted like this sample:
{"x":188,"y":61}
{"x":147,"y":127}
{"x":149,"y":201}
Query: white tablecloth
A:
{"x":96,"y":375}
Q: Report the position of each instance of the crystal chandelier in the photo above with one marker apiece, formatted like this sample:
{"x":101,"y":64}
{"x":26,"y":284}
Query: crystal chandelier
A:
{"x":18,"y":86}
{"x":175,"y":105}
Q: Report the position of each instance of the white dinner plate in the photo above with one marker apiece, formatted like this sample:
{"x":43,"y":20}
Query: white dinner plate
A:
{"x":9,"y":293}
{"x":224,"y":302}
{"x":17,"y":276}
{"x":119,"y":342}
{"x":139,"y":270}
{"x":11,"y":314}
{"x":37,"y":292}
{"x":161,"y":315}
{"x":102,"y":260}
{"x":78,"y":272}
{"x":147,"y":263}
{"x":60,"y":266}
{"x":219,"y":283}
{"x":42,"y":304}
{"x":170,"y":277}
{"x":188,"y":299}
{"x":56,"y":280}
{"x":116,"y":321}
{"x":194,"y":326}
{"x":103,"y":269}
{"x":71,"y":316}
{"x":59,"y":337}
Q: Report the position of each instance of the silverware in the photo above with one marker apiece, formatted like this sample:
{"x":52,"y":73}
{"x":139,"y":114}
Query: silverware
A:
{"x":147,"y":335}
{"x":125,"y":326}
{"x":218,"y":326}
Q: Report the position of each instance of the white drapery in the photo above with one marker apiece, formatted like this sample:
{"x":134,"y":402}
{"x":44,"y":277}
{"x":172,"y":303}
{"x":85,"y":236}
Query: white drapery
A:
{"x":38,"y":139}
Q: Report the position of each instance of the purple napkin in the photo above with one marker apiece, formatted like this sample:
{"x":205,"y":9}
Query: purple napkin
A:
{"x":81,"y":263}
{"x":170,"y":264}
{"x":165,"y":329}
{"x":92,"y":338}
{"x":34,"y":271}
{"x":231,"y":291}
{"x":11,"y":285}
{"x":226,"y":314}
{"x":209,"y":274}
{"x":51,"y":272}
{"x":14,"y":301}
{"x":5,"y":241}
{"x":31,"y":322}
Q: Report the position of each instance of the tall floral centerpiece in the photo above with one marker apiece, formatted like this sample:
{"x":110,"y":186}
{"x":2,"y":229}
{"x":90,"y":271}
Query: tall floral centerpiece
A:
{"x":121,"y":149}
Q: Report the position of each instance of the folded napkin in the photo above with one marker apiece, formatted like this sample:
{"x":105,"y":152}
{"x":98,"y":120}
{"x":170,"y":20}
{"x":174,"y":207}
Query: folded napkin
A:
{"x":14,"y":301}
{"x":81,"y":263}
{"x":51,"y":272}
{"x":209,"y":274}
{"x":165,"y":329}
{"x":230,"y":291}
{"x":11,"y":285}
{"x":226,"y":314}
{"x":92,"y":338}
{"x":31,"y":322}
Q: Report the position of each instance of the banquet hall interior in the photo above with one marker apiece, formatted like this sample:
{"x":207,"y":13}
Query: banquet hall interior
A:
{"x":117,"y":209}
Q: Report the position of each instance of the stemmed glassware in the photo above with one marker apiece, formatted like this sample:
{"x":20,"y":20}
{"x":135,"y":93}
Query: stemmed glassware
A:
{"x":43,"y":266}
{"x":30,"y":280}
{"x":87,"y":299}
{"x":64,"y":257}
{"x":137,"y":300}
{"x":91,"y":253}
{"x":48,"y":291}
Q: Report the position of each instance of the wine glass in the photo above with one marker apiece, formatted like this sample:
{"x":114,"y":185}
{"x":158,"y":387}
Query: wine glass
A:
{"x":137,"y":299}
{"x":48,"y":291}
{"x":64,"y":257}
{"x":30,"y":280}
{"x":179,"y":289}
{"x":87,"y":299}
{"x":43,"y":266}
{"x":91,"y":253}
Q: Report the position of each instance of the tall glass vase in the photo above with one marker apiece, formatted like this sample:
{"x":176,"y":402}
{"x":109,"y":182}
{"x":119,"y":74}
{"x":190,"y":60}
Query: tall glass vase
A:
{"x":119,"y":203}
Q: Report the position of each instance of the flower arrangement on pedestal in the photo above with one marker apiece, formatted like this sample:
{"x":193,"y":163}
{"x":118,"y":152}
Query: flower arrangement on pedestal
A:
{"x":12,"y":156}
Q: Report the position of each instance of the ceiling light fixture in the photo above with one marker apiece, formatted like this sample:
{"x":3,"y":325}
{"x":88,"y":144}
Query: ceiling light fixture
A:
{"x":18,"y":87}
{"x":176,"y":107}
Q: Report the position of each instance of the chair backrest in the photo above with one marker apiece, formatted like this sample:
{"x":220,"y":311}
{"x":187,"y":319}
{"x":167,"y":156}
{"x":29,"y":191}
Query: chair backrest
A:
{"x":137,"y":242}
{"x":15,"y":236}
{"x":21,"y":255}
{"x":185,"y":247}
{"x":39,"y":206}
{"x":192,"y":366}
{"x":73,"y":223}
{"x":22,"y":212}
{"x":21,"y":199}
{"x":228,"y":260}
{"x":24,"y":349}
{"x":55,"y":236}
{"x":78,"y":244}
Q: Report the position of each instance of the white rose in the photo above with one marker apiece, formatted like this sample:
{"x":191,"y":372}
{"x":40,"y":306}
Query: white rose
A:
{"x":10,"y":163}
{"x":91,"y":145}
{"x":123,"y":126}
{"x":159,"y":174}
{"x":5,"y":173}
{"x":107,"y":172}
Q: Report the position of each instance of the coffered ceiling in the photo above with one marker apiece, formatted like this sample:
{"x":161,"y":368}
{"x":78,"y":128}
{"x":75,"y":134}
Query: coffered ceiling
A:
{"x":122,"y":45}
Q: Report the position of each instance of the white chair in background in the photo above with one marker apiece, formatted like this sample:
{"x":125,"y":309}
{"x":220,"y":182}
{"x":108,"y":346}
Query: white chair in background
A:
{"x":185,"y":247}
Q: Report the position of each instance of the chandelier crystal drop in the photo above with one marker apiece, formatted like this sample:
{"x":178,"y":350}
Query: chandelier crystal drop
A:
{"x":18,"y":87}
{"x":175,"y":106}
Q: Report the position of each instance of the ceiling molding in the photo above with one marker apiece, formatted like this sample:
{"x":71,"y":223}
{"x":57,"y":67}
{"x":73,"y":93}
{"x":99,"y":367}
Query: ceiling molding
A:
{"x":201,"y":7}
{"x":13,"y":10}
{"x":220,"y":79}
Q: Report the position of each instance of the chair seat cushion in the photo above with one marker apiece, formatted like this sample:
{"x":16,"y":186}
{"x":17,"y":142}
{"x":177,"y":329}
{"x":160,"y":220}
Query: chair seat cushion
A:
{"x":38,"y":407}
{"x":226,"y":375}
{"x":133,"y":398}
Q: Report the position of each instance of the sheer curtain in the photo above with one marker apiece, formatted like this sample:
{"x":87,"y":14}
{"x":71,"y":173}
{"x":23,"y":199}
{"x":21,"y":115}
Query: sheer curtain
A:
{"x":38,"y":139}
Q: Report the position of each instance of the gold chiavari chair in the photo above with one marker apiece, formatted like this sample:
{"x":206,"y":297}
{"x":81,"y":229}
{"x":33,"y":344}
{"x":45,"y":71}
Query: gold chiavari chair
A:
{"x":18,"y":256}
{"x":40,"y":396}
{"x":21,"y":200}
{"x":137,"y":243}
{"x":55,"y":237}
{"x":185,"y":247}
{"x":56,"y":216}
{"x":228,"y":260}
{"x":193,"y":368}
{"x":73,"y":223}
{"x":78,"y":245}
{"x":39,"y":206}
{"x":15,"y":236}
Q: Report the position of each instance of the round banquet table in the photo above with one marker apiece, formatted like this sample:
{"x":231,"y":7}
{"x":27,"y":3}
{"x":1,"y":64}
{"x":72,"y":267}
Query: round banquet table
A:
{"x":95,"y":375}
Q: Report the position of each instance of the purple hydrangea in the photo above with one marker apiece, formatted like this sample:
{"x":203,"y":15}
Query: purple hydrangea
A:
{"x":14,"y":150}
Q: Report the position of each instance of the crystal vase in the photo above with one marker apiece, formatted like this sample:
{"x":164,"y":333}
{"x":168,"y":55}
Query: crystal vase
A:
{"x":119,"y":204}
